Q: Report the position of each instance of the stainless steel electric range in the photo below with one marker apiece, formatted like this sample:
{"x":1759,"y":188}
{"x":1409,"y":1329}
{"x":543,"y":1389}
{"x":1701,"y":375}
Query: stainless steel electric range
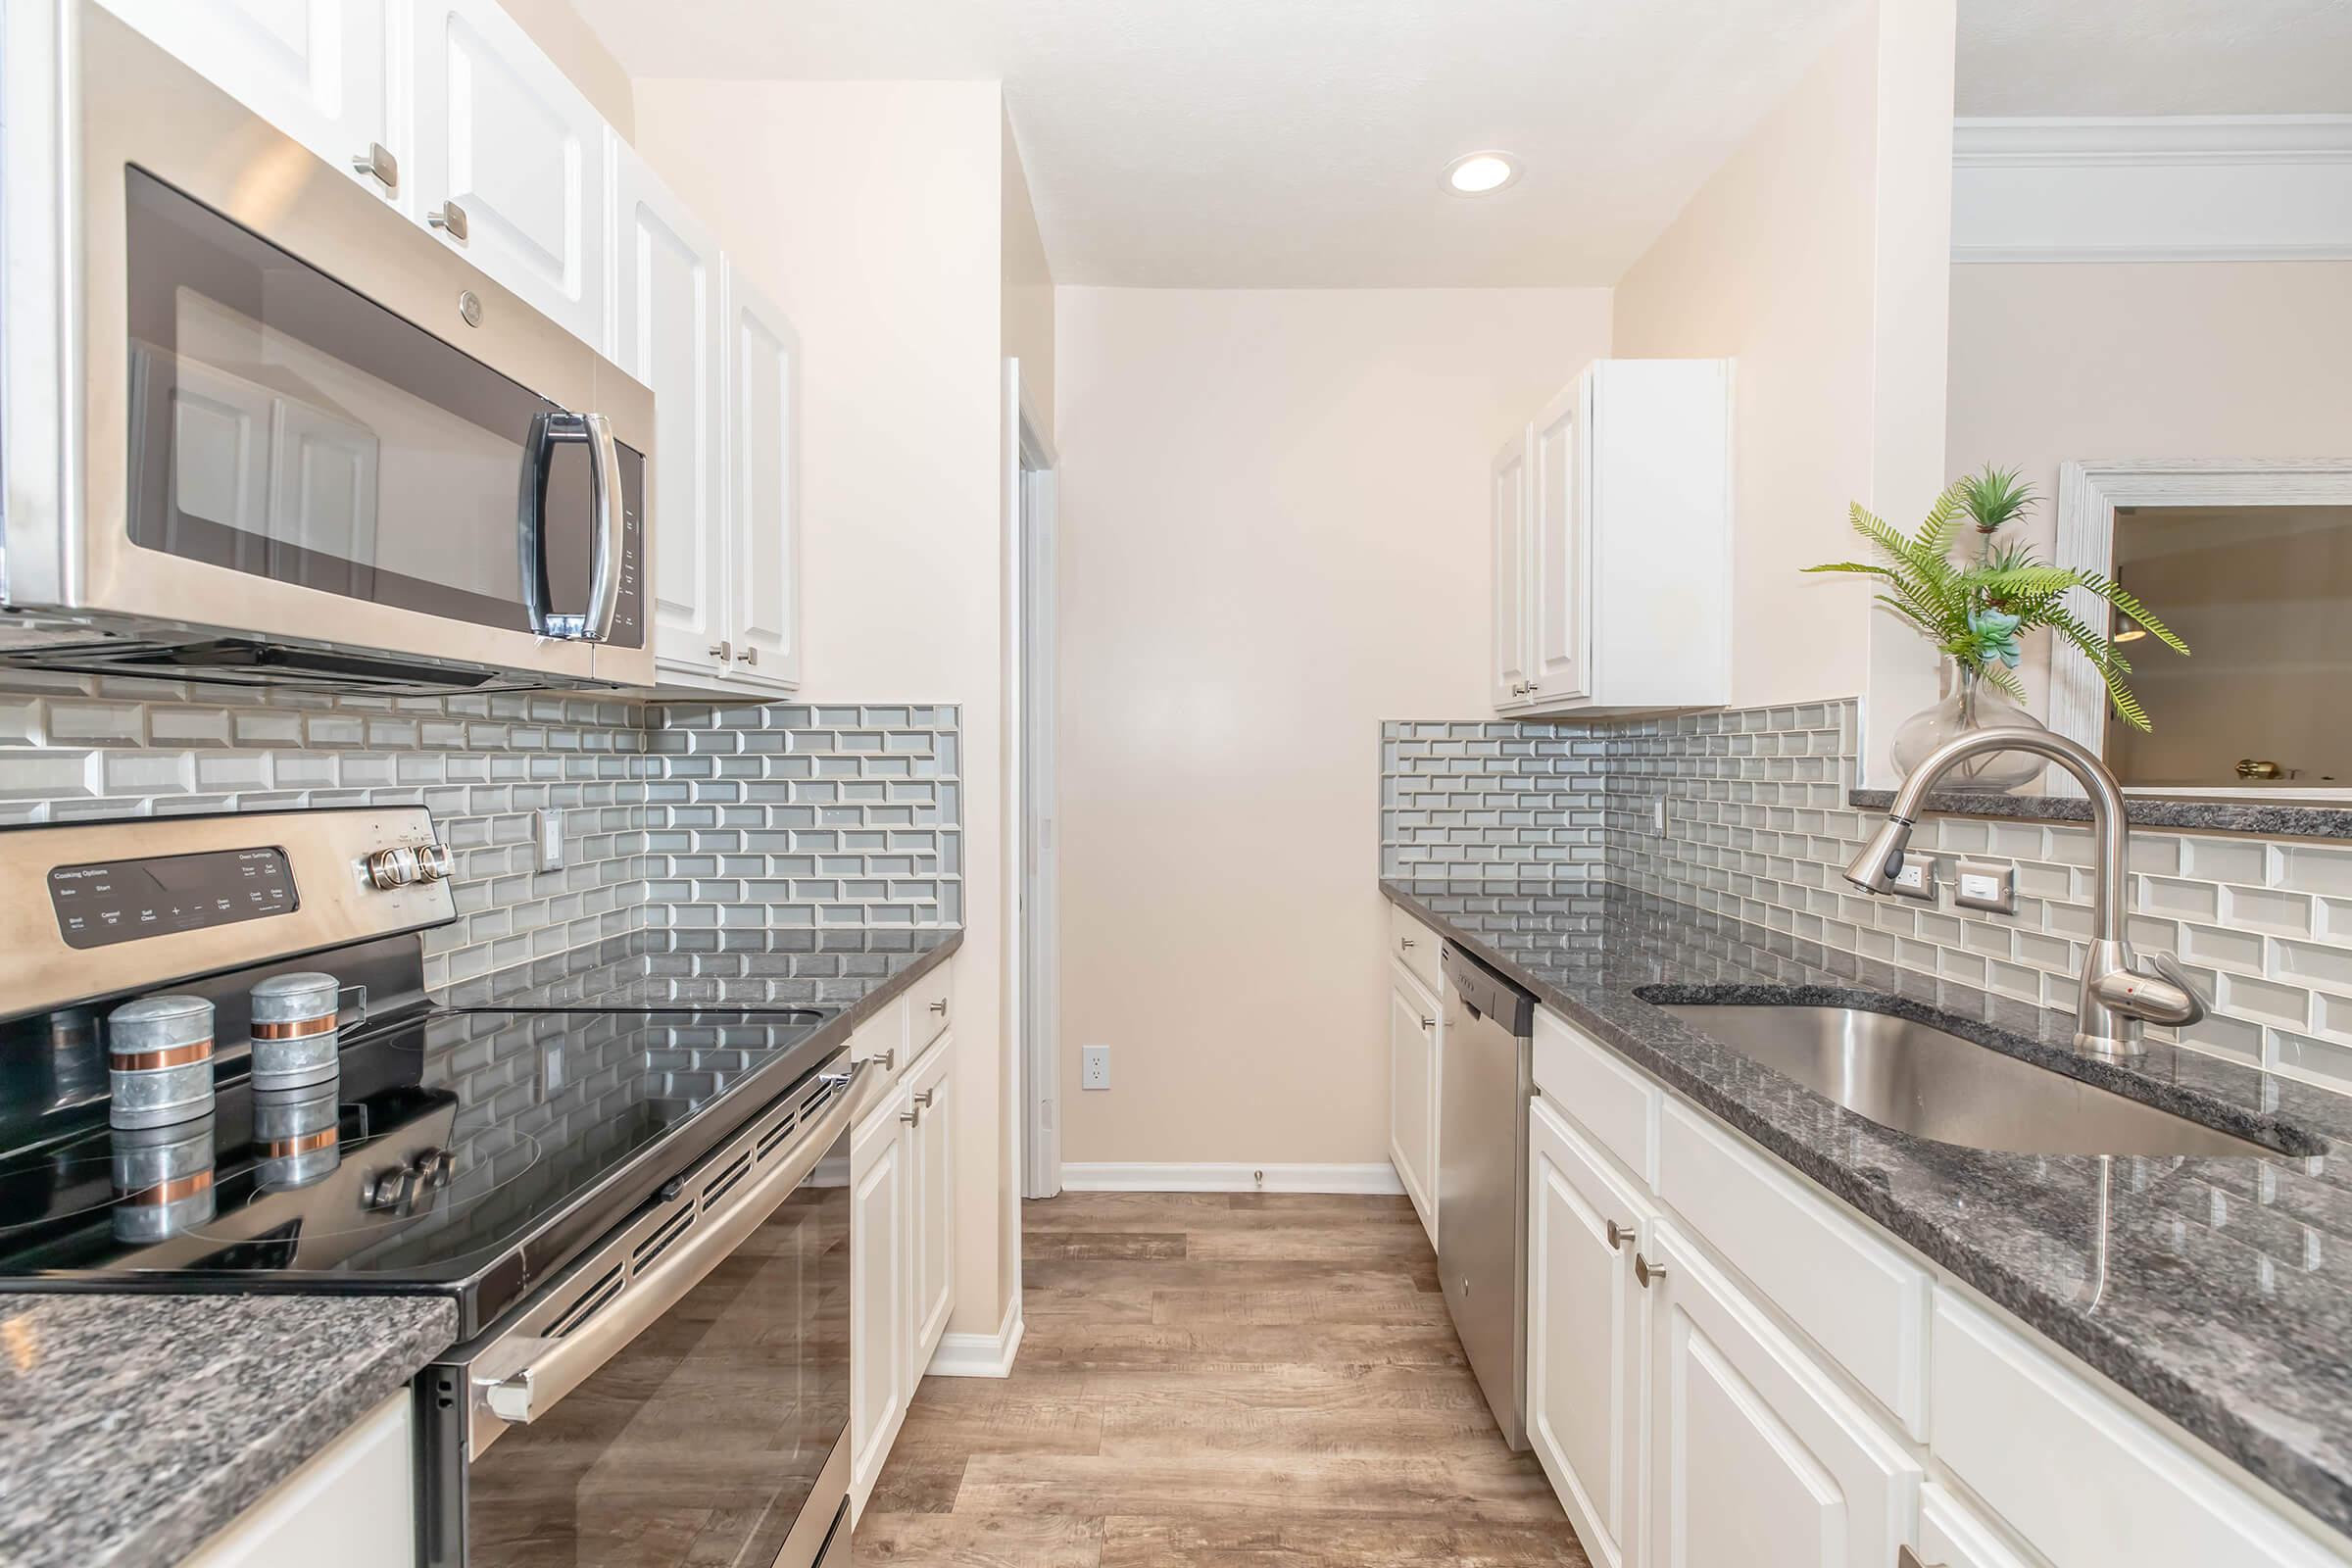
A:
{"x":640,"y":1212}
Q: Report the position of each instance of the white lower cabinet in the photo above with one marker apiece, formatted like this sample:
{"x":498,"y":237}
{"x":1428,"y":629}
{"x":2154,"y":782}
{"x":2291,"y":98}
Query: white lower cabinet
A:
{"x":1588,"y":1353}
{"x":881,"y":1305}
{"x":1414,"y":1028}
{"x":353,"y":1503}
{"x":1760,"y":1376}
{"x":901,"y":1249}
{"x":1756,"y":1458}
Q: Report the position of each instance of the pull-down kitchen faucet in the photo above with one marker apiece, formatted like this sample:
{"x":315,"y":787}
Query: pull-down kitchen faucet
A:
{"x":2117,"y":995}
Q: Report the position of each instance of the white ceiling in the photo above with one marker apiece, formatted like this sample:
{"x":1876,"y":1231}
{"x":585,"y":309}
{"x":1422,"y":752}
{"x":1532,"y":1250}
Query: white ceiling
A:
{"x":1299,"y":143}
{"x":2155,"y":57}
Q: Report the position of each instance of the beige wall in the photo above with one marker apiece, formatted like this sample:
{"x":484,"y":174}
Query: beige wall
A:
{"x":1816,"y":255}
{"x":2147,"y":360}
{"x":1028,"y":299}
{"x":1273,"y":535}
{"x":874,"y":225}
{"x":581,"y":55}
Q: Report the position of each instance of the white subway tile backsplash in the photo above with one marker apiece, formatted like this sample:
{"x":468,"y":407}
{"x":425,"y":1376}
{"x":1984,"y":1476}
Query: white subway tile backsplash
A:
{"x":634,"y":781}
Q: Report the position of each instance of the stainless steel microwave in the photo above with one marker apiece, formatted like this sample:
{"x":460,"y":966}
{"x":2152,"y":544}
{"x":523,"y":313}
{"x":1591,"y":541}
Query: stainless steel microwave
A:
{"x":263,"y":429}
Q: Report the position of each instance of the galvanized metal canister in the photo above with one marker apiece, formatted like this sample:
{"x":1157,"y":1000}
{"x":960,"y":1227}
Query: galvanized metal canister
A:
{"x":298,"y":1132}
{"x":295,"y":1036}
{"x":163,"y":1179}
{"x":160,"y":1060}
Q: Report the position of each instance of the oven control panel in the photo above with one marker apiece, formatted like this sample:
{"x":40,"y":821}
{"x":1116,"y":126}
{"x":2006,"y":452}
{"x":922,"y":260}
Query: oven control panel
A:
{"x":122,"y":900}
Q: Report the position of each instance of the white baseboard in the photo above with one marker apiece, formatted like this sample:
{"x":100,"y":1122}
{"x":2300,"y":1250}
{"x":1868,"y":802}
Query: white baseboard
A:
{"x":980,"y":1355}
{"x":1378,"y":1178}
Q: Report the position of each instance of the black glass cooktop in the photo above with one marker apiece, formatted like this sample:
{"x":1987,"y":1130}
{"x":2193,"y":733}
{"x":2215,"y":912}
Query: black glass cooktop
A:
{"x":462,"y":1152}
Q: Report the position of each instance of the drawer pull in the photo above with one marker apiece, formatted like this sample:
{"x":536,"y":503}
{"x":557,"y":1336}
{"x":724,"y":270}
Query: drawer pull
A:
{"x":1646,"y":1271}
{"x":378,"y":165}
{"x":940,"y":1006}
{"x":450,"y":219}
{"x":1428,"y":1024}
{"x":888,"y":1059}
{"x":925,"y":1098}
{"x":1405,"y":942}
{"x":1619,"y":1235}
{"x":912,"y":1118}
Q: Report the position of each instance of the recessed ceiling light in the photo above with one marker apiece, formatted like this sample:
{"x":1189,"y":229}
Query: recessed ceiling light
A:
{"x":1480,"y":174}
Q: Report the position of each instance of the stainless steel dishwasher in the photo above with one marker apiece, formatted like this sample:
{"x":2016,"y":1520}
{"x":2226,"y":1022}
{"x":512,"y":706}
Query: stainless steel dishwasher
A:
{"x":1484,"y":1080}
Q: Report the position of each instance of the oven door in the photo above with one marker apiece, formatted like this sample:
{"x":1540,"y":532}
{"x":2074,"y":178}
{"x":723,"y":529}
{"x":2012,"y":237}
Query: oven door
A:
{"x":305,"y":418}
{"x":678,"y":1395}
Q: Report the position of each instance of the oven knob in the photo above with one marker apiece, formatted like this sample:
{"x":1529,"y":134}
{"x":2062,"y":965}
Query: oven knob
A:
{"x":393,"y":868}
{"x":432,"y":863}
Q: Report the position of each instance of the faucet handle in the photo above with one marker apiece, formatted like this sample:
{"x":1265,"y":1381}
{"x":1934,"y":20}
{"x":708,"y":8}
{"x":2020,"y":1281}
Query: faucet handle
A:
{"x":2162,"y":993}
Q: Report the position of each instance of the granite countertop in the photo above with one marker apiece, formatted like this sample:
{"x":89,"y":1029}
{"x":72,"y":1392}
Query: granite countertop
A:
{"x":2217,"y":1289}
{"x":135,"y":1427}
{"x":2280,"y":818}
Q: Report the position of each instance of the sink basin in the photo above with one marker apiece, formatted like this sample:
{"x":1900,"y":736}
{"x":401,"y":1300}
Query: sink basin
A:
{"x":1920,"y":1080}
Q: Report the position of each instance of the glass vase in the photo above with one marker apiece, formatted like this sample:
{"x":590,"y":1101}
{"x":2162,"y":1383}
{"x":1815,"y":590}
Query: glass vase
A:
{"x":1969,"y":703}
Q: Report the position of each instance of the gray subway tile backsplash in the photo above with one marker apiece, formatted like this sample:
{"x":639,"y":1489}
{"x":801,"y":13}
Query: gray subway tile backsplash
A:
{"x":676,"y":815}
{"x":1757,"y":826}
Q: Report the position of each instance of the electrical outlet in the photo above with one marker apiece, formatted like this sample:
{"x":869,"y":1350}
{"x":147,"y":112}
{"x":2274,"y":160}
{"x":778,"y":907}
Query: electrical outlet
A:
{"x":1094,"y":1067}
{"x":547,"y":829}
{"x":1917,"y":878}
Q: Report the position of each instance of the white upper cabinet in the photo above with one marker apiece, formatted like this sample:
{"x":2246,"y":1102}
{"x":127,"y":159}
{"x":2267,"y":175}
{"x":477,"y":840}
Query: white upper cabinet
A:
{"x":1507,"y":501}
{"x":764,"y":537}
{"x":667,"y":315}
{"x":510,"y":153}
{"x":1556,"y":544}
{"x":1613,"y":550}
{"x":320,"y":71}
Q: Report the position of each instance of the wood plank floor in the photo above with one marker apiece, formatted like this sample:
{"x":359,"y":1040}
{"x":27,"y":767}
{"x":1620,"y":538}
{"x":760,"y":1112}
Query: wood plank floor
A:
{"x":1217,"y":1381}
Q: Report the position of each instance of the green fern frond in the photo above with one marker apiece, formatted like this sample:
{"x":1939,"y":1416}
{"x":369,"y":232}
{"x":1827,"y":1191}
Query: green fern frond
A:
{"x":2002,"y":676}
{"x":2110,"y":666}
{"x":2113,"y":592}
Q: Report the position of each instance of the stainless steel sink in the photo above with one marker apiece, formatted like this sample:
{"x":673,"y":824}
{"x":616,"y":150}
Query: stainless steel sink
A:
{"x":1918,"y":1079}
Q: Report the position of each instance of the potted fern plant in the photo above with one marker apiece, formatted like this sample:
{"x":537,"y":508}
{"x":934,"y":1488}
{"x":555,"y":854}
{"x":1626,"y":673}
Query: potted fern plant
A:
{"x":1977,"y":614}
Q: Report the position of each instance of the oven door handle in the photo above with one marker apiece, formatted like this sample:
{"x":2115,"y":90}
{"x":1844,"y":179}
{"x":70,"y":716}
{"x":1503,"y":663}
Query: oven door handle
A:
{"x":607,"y":540}
{"x":550,"y":1368}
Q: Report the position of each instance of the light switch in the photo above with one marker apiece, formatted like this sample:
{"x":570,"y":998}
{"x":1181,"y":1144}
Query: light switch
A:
{"x":1986,"y":885}
{"x":547,"y":826}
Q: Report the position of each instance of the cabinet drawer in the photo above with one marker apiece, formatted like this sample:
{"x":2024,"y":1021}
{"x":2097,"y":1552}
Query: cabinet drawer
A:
{"x":1858,"y":1298}
{"x":1952,"y":1536}
{"x":884,"y":1035}
{"x":1617,"y":1103}
{"x":2086,"y":1481}
{"x":928,"y":1003}
{"x":1414,"y":945}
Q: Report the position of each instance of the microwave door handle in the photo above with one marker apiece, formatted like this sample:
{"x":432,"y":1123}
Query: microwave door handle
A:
{"x":612,"y":514}
{"x":524,"y":1378}
{"x":548,"y":431}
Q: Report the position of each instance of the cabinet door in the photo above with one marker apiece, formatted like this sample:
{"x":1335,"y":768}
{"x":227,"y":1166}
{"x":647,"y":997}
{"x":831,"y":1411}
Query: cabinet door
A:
{"x":666,"y":314}
{"x":932,"y":1137}
{"x":504,"y":138}
{"x":1508,"y":500}
{"x":1557,"y":589}
{"x":353,"y":1503}
{"x":879,"y":1305}
{"x":1413,"y":1026}
{"x":1756,"y":1458}
{"x":318,"y":70}
{"x":764,"y":457}
{"x":1587,"y":1336}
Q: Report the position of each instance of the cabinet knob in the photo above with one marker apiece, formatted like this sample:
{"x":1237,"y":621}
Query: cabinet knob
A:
{"x":1905,"y":1557}
{"x":722,"y":650}
{"x":1646,"y":1271}
{"x":450,"y":219}
{"x":378,"y":165}
{"x":888,"y":1059}
{"x":940,"y":1006}
{"x":1405,"y":942}
{"x":912,"y":1118}
{"x":1429,"y":1024}
{"x":747,"y":655}
{"x":1619,"y":1235}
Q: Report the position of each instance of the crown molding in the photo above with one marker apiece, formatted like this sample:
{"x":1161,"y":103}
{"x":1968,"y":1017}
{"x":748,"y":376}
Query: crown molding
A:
{"x":2092,"y":141}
